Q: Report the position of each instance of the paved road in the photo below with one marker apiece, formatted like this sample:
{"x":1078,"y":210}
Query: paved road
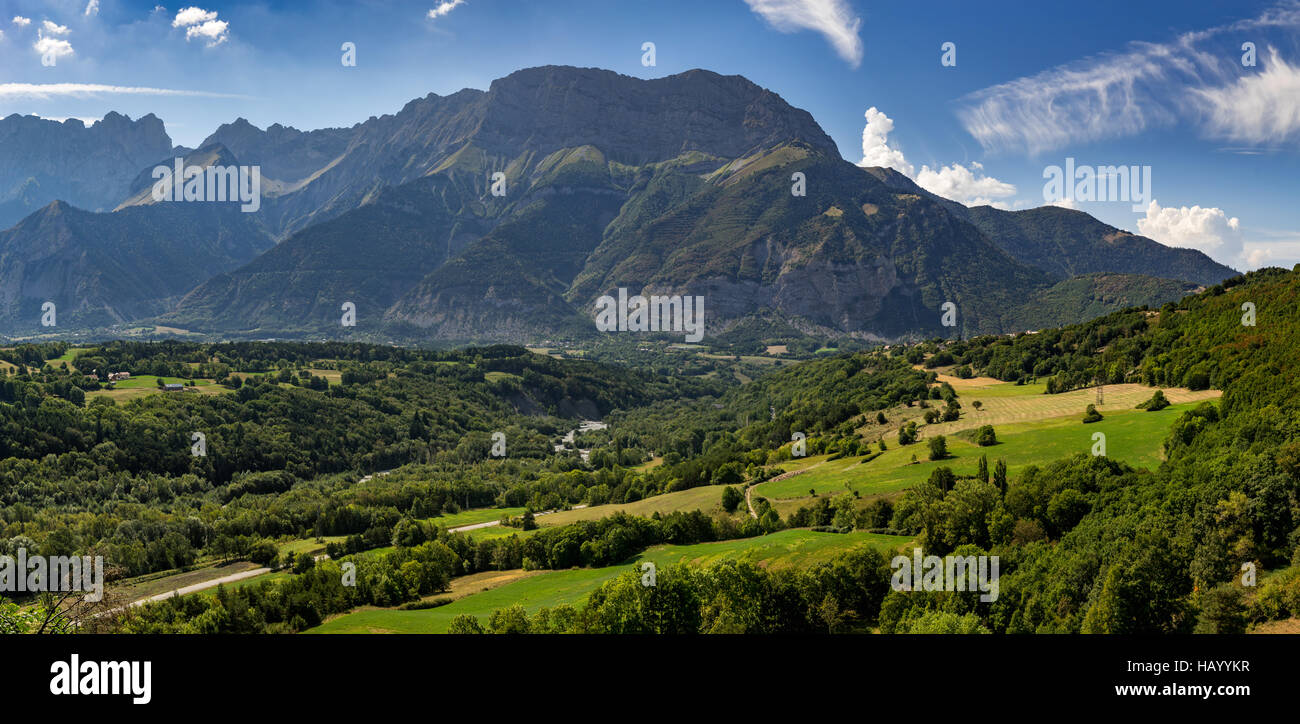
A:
{"x":195,"y":588}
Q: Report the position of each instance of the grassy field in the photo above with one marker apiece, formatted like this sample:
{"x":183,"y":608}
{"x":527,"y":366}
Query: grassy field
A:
{"x":153,"y":584}
{"x":69,"y":356}
{"x":309,"y":545}
{"x":707,"y":498}
{"x":553,"y":588}
{"x":148,"y":385}
{"x":474,"y":516}
{"x":1134,"y":436}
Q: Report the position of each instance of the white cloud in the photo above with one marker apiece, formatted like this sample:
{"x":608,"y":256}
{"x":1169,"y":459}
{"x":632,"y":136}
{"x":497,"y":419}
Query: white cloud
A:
{"x":876,"y":150}
{"x":202,"y":24}
{"x":54,"y":28}
{"x":1259,"y":108}
{"x":1148,"y":85}
{"x":1205,"y":229}
{"x":92,"y":7}
{"x":444,"y":7}
{"x":43,"y":91}
{"x":962,"y":184}
{"x":21,"y":21}
{"x":834,"y":19}
{"x":968,"y":186}
{"x":214,"y":31}
{"x":53,"y":48}
{"x":2,"y":35}
{"x":192,"y":16}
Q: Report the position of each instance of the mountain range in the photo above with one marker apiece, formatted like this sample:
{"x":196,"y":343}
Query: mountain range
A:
{"x":505,"y":214}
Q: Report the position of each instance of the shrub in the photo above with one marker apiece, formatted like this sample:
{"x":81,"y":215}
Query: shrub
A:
{"x":938,"y":447}
{"x":1091,"y":415}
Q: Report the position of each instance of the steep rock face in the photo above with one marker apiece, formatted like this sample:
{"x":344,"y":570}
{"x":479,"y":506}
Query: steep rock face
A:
{"x":532,"y":112}
{"x":637,"y":121}
{"x":505,"y":214}
{"x":89,"y":167}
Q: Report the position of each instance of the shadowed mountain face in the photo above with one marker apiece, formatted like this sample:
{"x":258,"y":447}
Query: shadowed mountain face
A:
{"x":505,"y":214}
{"x":110,"y":268}
{"x":1065,"y":243}
{"x":43,"y":161}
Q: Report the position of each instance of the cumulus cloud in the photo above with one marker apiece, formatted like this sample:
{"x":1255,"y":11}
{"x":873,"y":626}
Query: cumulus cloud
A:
{"x":21,"y":21}
{"x":834,"y":19}
{"x":957,"y":182}
{"x":1145,"y":86}
{"x":443,"y":8}
{"x":53,"y":48}
{"x":876,"y":150}
{"x":202,"y":24}
{"x":1205,"y":229}
{"x":54,"y":28}
{"x":963,"y":184}
{"x":92,"y":8}
{"x":192,"y":16}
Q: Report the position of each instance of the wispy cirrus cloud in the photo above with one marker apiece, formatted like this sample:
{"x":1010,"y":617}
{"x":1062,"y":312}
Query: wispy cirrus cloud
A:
{"x":1147,"y":85}
{"x":44,"y":91}
{"x":834,"y":19}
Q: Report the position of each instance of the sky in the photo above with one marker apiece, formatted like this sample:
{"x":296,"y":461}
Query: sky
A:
{"x":981,"y":102}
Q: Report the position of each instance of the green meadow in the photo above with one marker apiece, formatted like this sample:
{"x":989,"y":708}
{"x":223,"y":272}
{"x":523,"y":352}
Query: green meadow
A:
{"x":1133,"y":436}
{"x":553,"y":588}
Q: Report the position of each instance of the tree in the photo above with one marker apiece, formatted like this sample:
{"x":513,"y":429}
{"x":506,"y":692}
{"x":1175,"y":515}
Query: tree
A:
{"x":938,"y":447}
{"x":983,"y":473}
{"x":731,"y":498}
{"x":465,"y":624}
{"x":985,"y":436}
{"x":1091,"y":415}
{"x":1000,"y":476}
{"x":1157,"y":402}
{"x":529,"y":522}
{"x":881,"y":419}
{"x":907,"y":434}
{"x":1222,"y":611}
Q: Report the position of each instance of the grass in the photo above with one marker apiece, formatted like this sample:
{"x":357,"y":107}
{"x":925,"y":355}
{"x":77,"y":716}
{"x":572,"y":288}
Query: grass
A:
{"x":554,"y":588}
{"x":153,"y":584}
{"x":1133,"y":436}
{"x":309,"y":545}
{"x":706,"y":498}
{"x":474,"y":516}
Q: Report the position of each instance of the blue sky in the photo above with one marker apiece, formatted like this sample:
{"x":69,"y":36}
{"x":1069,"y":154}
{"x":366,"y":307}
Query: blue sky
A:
{"x":1158,"y":84}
